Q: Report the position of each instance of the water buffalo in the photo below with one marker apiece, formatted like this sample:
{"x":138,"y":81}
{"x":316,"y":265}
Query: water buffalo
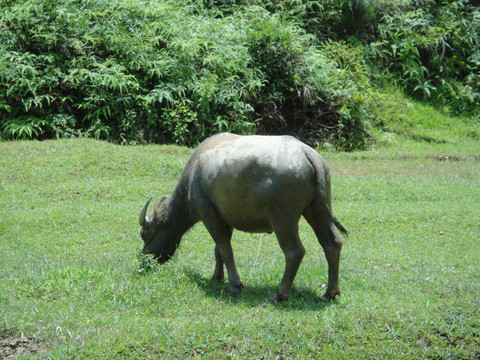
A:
{"x":254,"y":184}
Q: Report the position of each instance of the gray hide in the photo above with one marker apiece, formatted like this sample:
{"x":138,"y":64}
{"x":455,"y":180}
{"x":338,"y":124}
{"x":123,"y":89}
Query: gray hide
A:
{"x":253,"y":184}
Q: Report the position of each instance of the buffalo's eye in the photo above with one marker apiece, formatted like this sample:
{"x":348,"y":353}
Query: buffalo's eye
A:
{"x":144,"y":234}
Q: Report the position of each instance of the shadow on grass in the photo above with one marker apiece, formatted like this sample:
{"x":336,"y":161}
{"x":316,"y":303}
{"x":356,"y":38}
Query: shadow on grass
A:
{"x":301,"y":298}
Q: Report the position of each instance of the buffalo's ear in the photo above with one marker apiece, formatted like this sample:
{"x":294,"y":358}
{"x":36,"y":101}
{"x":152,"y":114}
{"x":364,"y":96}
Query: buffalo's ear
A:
{"x":160,"y":209}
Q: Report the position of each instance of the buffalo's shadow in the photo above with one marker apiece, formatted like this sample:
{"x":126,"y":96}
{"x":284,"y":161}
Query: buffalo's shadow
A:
{"x":301,"y":297}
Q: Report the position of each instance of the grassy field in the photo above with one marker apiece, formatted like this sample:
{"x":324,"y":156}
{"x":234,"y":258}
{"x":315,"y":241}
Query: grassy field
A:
{"x":71,"y":285}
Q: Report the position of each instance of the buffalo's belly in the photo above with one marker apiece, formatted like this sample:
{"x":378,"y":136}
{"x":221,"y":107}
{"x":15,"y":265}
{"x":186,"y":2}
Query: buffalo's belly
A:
{"x":254,"y":207}
{"x":253,"y":221}
{"x":241,"y":208}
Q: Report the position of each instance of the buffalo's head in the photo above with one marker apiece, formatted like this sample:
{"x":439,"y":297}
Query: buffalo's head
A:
{"x":157,"y":239}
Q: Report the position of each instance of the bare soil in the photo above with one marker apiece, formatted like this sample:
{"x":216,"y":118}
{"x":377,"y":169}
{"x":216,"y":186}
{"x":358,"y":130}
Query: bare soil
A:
{"x":13,"y":347}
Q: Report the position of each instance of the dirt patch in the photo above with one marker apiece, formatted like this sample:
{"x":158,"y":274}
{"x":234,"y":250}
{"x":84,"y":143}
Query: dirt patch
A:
{"x":13,"y":347}
{"x":455,"y":158}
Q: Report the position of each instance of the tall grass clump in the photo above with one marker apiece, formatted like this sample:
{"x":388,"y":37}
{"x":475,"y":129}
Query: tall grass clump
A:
{"x":148,"y":71}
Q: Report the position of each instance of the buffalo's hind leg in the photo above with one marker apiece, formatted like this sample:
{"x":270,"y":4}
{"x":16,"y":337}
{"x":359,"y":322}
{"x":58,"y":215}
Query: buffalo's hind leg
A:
{"x":332,"y":245}
{"x":320,"y":220}
{"x":292,"y":247}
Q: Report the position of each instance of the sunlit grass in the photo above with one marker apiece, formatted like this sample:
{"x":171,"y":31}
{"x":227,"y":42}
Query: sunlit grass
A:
{"x":72,"y":281}
{"x":425,"y":124}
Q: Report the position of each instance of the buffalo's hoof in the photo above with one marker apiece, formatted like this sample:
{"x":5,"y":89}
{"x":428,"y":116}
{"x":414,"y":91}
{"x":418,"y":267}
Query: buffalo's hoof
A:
{"x":235,"y":289}
{"x":330,"y":295}
{"x":279,"y":298}
{"x":218,"y":277}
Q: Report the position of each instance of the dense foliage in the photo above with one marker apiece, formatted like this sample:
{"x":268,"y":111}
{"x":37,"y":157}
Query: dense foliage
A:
{"x":177,"y":71}
{"x":433,"y":49}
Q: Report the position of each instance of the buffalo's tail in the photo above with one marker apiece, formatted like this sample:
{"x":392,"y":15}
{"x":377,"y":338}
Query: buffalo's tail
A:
{"x":339,"y":226}
{"x":322,"y":176}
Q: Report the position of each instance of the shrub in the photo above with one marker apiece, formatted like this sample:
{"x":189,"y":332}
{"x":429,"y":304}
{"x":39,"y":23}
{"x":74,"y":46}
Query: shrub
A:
{"x":131,"y":71}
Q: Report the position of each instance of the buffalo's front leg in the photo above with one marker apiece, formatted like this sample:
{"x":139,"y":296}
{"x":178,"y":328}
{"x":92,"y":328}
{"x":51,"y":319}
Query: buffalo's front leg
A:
{"x":225,"y":249}
{"x":222,"y":234}
{"x":218,"y":274}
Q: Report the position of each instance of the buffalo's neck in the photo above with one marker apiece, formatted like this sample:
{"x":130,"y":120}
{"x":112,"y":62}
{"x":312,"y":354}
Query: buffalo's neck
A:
{"x":179,"y":216}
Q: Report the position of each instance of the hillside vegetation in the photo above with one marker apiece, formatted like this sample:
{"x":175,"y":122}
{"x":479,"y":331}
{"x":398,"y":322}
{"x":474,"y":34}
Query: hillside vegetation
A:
{"x":133,"y":71}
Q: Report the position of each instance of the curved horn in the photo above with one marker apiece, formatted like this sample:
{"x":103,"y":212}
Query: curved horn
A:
{"x":143,"y":214}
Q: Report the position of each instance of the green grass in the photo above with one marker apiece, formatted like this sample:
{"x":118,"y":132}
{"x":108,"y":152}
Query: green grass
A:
{"x":70,"y":277}
{"x":399,"y":115}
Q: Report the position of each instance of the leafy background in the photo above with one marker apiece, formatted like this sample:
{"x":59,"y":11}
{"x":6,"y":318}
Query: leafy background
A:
{"x":178,"y":71}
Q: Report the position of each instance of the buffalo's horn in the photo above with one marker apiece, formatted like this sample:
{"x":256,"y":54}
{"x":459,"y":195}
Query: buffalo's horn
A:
{"x":143,"y":214}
